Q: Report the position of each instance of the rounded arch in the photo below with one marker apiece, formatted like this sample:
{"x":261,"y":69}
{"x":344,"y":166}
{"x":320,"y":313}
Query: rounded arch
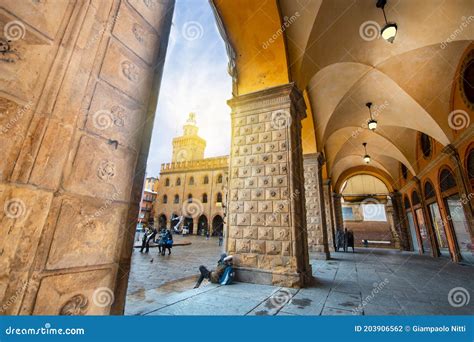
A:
{"x":165,"y":199}
{"x":191,"y":180}
{"x":167,"y":181}
{"x":203,"y":225}
{"x":204,"y":198}
{"x":429,"y":192}
{"x":178,"y":181}
{"x":469,"y":164}
{"x":219,"y":197}
{"x":415,"y":198}
{"x":367,"y":170}
{"x":347,"y":140}
{"x":446,"y":179}
{"x":355,"y":162}
{"x":206,"y":179}
{"x":162,"y":220}
{"x":406,"y":202}
{"x":217,"y":225}
{"x":176,"y":199}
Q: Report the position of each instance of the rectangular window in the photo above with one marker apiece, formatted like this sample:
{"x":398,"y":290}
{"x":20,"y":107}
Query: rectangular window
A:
{"x":347,"y":214}
{"x":374,"y":212}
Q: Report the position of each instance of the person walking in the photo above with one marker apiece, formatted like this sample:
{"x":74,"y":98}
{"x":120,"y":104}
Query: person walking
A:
{"x":221,"y":239}
{"x":150,"y":234}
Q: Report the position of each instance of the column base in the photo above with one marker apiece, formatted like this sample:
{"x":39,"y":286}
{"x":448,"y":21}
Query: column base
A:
{"x":267,"y":277}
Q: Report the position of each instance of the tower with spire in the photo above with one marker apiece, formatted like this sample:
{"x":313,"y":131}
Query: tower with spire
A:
{"x":190,"y":146}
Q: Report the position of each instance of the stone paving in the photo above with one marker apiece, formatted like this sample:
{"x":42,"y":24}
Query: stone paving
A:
{"x":368,"y":282}
{"x":150,"y":270}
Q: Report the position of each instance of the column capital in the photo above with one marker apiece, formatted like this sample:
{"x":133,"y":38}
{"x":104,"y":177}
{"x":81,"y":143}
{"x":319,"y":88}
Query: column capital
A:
{"x":336,"y":195}
{"x":275,"y":98}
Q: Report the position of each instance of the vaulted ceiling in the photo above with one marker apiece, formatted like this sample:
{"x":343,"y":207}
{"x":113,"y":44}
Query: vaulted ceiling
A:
{"x":334,"y":54}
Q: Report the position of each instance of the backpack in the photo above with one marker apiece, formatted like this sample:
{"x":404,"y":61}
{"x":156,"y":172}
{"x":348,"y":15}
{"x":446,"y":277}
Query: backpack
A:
{"x":228,"y":276}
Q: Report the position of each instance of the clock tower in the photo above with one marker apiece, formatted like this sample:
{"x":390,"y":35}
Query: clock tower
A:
{"x":189,"y":146}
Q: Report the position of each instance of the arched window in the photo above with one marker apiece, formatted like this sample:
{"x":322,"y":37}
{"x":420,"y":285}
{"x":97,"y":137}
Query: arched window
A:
{"x":167,"y":182}
{"x":190,"y":198}
{"x":178,"y":181}
{"x":176,"y":198}
{"x":470,"y":165}
{"x":206,"y":179}
{"x":191,"y":181}
{"x":204,"y":198}
{"x":219,"y":197}
{"x":429,"y":190}
{"x":425,"y":143}
{"x":407,"y":203}
{"x":165,"y":199}
{"x":219,"y":179}
{"x":446,"y":180}
{"x":415,"y":199}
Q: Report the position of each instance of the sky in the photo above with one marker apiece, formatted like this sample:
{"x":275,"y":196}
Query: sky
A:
{"x":195,"y":79}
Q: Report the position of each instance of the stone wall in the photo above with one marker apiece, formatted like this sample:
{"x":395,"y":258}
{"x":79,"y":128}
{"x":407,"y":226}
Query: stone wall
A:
{"x":77,"y":111}
{"x":266,"y":206}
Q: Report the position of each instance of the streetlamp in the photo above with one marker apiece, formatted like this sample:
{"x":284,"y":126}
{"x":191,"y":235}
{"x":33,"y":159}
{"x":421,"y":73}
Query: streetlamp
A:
{"x":366,"y":156}
{"x":389,"y":31}
{"x":372,"y":122}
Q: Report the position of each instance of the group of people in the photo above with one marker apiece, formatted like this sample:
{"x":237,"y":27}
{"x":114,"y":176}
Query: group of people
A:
{"x":164,"y":240}
{"x":344,"y":239}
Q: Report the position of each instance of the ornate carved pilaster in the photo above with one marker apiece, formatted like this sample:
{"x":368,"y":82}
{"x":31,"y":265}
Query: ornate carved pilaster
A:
{"x":267,"y":221}
{"x":399,"y":220}
{"x":329,"y":214}
{"x":315,"y":209}
{"x":337,"y":205}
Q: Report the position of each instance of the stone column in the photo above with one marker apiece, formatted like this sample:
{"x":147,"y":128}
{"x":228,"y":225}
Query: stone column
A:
{"x":391,"y":219}
{"x":337,"y":205}
{"x":463,"y":185}
{"x":329,"y":214}
{"x":267,"y":221}
{"x":400,"y":221}
{"x":315,"y":211}
{"x":73,"y":162}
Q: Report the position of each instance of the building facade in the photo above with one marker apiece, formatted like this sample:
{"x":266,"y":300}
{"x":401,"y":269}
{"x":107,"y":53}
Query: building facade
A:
{"x":191,"y":186}
{"x":146,"y":216}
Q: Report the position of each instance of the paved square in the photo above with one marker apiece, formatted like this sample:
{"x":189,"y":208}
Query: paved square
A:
{"x":368,"y":282}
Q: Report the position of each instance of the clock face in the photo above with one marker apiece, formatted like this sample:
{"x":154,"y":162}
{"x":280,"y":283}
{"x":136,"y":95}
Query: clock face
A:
{"x":182,"y":155}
